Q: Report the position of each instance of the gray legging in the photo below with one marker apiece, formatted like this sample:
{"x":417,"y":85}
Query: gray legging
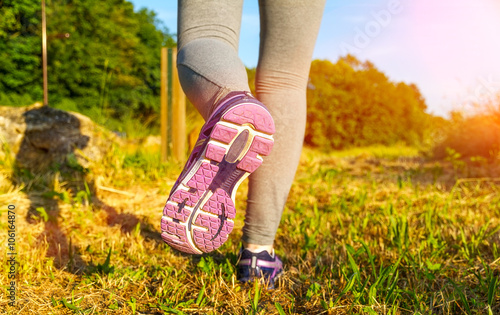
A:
{"x":209,"y":68}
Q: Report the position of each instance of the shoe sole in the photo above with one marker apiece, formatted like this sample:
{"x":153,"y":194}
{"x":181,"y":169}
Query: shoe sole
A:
{"x":199,"y":214}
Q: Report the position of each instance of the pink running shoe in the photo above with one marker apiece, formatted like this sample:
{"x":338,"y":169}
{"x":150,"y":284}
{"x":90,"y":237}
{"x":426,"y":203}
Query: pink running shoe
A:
{"x":199,"y":213}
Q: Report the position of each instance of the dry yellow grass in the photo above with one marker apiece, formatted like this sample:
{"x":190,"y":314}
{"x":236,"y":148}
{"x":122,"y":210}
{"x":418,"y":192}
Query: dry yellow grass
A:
{"x":413,"y":216}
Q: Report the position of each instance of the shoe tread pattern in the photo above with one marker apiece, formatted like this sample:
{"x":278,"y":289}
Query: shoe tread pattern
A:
{"x":213,"y":221}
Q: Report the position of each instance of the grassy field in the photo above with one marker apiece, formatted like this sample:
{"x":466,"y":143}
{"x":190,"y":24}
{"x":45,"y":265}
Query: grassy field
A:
{"x":367,"y":231}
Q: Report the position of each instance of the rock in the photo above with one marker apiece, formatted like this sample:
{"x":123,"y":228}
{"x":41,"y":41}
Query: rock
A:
{"x":37,"y":136}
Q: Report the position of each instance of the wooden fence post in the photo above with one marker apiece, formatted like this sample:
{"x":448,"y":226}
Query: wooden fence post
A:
{"x":173,"y":109}
{"x":44,"y":56}
{"x":179,"y":114}
{"x":163,"y":99}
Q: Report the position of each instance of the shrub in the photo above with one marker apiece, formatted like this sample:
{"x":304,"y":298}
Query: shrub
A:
{"x":476,"y":135}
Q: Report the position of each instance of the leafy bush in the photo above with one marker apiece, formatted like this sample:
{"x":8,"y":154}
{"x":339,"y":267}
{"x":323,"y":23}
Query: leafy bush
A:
{"x":472,"y":136}
{"x":13,"y":99}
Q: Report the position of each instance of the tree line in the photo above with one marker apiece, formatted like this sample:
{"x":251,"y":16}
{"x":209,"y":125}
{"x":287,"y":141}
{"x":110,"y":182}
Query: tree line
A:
{"x":110,"y":66}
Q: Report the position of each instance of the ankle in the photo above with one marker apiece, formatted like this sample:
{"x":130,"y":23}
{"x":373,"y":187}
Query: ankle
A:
{"x":255,"y":248}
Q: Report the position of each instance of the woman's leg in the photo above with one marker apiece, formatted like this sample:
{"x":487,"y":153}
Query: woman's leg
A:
{"x":199,"y":212}
{"x":207,"y":61}
{"x":288,"y":33}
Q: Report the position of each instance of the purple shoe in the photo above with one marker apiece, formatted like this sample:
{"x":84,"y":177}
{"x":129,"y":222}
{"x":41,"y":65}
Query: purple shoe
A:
{"x":199,"y":212}
{"x":261,"y":265}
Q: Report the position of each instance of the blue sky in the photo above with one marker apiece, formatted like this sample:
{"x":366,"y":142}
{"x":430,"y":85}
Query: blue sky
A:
{"x":449,"y":48}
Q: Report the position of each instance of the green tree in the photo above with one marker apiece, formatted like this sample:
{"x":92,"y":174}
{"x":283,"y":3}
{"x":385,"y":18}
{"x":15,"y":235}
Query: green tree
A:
{"x":20,"y":53}
{"x":110,"y":63}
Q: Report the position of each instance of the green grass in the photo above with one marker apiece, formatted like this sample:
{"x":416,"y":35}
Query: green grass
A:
{"x":367,"y":231}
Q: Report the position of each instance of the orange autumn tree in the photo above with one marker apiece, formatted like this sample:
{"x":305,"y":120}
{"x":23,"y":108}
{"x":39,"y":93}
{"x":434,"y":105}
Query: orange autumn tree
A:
{"x":352,"y":103}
